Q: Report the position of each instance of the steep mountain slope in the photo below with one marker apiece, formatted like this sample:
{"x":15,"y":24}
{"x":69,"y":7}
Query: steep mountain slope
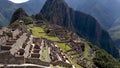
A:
{"x":62,"y":18}
{"x":106,"y":11}
{"x":57,"y":12}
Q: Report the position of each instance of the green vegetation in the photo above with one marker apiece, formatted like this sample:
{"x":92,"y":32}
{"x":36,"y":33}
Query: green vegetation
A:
{"x":44,"y":54}
{"x":39,"y":32}
{"x":102,"y":59}
{"x":105,"y":60}
{"x":87,"y":54}
{"x":63,"y":46}
{"x":87,"y":51}
{"x":27,"y":20}
{"x":74,"y":62}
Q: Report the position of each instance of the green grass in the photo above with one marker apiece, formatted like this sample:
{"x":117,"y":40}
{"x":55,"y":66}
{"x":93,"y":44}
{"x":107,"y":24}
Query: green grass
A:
{"x":63,"y":46}
{"x":44,"y":54}
{"x":39,"y":32}
{"x":86,"y":54}
{"x":73,"y":53}
{"x":87,"y":50}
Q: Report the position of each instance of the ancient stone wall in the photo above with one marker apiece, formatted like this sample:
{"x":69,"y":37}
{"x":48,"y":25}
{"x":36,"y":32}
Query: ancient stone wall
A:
{"x":61,"y":63}
{"x":18,"y":44}
{"x":37,"y":61}
{"x":7,"y":58}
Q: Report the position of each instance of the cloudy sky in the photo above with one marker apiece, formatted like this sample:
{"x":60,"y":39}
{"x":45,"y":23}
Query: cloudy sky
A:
{"x":19,"y":1}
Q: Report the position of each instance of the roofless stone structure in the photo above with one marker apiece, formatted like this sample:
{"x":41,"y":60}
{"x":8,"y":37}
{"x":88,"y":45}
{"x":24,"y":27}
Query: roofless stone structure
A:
{"x":19,"y":47}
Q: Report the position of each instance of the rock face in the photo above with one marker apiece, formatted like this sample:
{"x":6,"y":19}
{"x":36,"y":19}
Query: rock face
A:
{"x":62,"y":18}
{"x":58,"y":12}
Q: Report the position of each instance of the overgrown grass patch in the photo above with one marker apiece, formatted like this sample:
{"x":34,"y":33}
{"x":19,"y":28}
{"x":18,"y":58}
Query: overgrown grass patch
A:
{"x":39,"y":32}
{"x":63,"y":46}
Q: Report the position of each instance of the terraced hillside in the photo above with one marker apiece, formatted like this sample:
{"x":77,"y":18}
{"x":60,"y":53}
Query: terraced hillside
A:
{"x":46,"y":48}
{"x":49,"y":46}
{"x":77,"y":50}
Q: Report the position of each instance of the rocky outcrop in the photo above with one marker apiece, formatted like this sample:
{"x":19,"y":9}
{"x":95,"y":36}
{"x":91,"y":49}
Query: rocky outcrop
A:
{"x":58,"y":12}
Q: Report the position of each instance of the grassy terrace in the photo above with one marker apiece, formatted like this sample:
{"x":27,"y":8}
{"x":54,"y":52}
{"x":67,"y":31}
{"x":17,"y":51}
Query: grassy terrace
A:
{"x":86,"y":54}
{"x":44,"y":54}
{"x":39,"y":32}
{"x":63,"y":46}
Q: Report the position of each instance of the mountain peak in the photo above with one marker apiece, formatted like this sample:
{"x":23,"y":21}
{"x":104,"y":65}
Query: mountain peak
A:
{"x":58,"y":12}
{"x":18,"y":14}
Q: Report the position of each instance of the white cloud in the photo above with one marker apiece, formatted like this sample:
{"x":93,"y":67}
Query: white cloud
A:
{"x":19,"y":1}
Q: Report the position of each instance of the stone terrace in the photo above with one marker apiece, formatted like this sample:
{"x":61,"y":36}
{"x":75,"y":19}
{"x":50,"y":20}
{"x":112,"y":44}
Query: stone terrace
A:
{"x":19,"y":44}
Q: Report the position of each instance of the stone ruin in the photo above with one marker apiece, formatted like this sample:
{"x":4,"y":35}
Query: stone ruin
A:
{"x":19,"y":47}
